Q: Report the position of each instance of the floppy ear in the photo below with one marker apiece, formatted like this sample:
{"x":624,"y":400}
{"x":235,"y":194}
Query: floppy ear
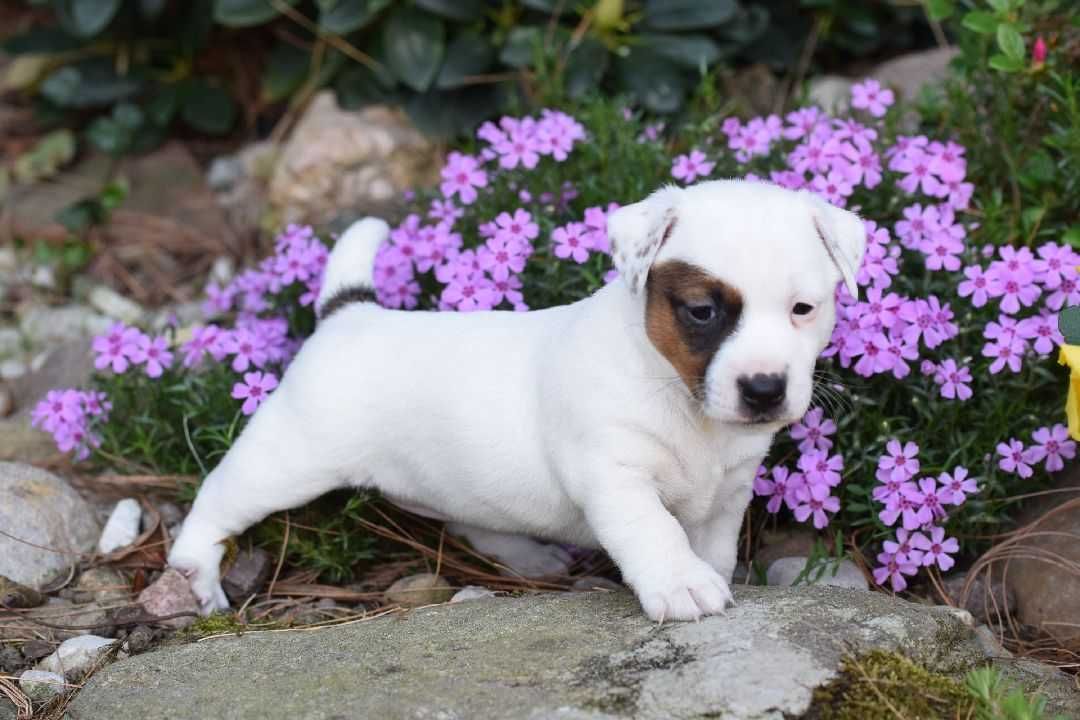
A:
{"x":844,"y":236}
{"x":638,"y":231}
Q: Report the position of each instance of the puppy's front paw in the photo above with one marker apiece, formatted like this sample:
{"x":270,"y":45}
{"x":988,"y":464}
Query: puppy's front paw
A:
{"x":202,"y":568}
{"x":688,"y":591}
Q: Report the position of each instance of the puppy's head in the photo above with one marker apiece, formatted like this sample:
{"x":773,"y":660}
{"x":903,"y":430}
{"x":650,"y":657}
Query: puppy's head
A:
{"x":737,"y":282}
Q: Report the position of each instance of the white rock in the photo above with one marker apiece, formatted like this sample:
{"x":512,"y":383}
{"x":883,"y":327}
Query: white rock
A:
{"x":831,"y":92}
{"x":12,"y":368}
{"x":122,"y":527}
{"x":472,"y":592}
{"x":46,"y":325}
{"x":10,"y":341}
{"x":41,"y":686}
{"x":846,"y":574}
{"x":76,"y":656}
{"x":115,"y":305}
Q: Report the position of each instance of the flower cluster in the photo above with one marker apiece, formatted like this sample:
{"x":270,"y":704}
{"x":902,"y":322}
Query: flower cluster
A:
{"x":123,"y":347}
{"x":70,"y":416}
{"x":807,"y":492}
{"x":1051,"y":445}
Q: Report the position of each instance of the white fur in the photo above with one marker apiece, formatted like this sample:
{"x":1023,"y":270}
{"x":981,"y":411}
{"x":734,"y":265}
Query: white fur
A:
{"x":565,"y":424}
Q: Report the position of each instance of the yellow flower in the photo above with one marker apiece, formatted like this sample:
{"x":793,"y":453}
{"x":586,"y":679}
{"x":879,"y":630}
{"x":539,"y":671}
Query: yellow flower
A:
{"x":1070,"y":355}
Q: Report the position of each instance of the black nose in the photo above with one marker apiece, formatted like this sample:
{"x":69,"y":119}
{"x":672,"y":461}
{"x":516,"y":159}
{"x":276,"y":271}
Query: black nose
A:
{"x":762,"y":393}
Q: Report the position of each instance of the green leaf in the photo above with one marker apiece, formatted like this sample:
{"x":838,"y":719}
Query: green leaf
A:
{"x":941,"y":9}
{"x":469,"y":54}
{"x":40,"y":41}
{"x":163,"y":105}
{"x":658,"y":84}
{"x":151,"y":9}
{"x":460,"y":10}
{"x":688,"y":14}
{"x":88,"y":84}
{"x":1072,"y":237}
{"x":521,"y":44}
{"x":285,"y":72}
{"x":81,"y":215}
{"x":450,"y":113}
{"x":342,"y":17}
{"x":1069,"y":324}
{"x":414,"y":43}
{"x":688,"y":50}
{"x":1001,"y":6}
{"x":1010,"y":41}
{"x":244,"y":13}
{"x":85,"y":18}
{"x":747,"y":26}
{"x":585,"y":67}
{"x":208,"y":108}
{"x":359,"y":86}
{"x":1004,"y":63}
{"x":544,"y":6}
{"x":1038,"y":169}
{"x":108,"y":136}
{"x":980,"y":22}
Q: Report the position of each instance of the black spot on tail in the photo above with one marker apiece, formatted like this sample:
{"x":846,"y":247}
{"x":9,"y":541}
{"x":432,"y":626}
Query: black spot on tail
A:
{"x":347,"y":296}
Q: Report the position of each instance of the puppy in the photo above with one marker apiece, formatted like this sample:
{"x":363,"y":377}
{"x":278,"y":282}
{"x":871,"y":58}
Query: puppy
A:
{"x":633,"y":420}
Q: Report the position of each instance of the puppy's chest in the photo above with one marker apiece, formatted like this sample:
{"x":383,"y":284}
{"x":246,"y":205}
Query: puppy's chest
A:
{"x":706,"y":475}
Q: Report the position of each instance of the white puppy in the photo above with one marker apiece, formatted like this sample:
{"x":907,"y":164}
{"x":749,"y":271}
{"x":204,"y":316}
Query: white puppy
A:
{"x":633,"y":420}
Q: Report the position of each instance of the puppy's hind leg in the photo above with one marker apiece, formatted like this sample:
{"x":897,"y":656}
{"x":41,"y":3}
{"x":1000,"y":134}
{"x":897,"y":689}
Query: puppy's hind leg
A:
{"x":519,"y":554}
{"x":272,"y":466}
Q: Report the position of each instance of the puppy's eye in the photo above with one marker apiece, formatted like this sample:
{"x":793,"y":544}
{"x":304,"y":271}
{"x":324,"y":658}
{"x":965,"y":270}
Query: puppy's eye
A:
{"x":697,"y":315}
{"x":802,"y":309}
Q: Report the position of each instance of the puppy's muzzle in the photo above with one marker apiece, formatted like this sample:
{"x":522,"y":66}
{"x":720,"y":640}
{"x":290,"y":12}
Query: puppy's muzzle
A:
{"x":762,"y":395}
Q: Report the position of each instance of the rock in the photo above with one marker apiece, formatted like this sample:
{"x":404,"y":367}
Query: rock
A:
{"x":991,"y":606}
{"x":240,"y":181}
{"x":122,"y":527}
{"x":472,"y":592}
{"x":104,"y":585}
{"x":340,"y":160}
{"x":419,"y":590}
{"x":590,"y":583}
{"x":170,"y":594}
{"x":1041,"y":576}
{"x":34,"y":650}
{"x":77,"y":656}
{"x":784,"y":542}
{"x":16,"y":595}
{"x":114,"y":305}
{"x":988,"y":641}
{"x":139,"y":639}
{"x":49,"y":325}
{"x":11,"y":341}
{"x":54,"y":525}
{"x":41,"y":686}
{"x":568,"y":655}
{"x":170,"y":513}
{"x":13,"y":368}
{"x":832,"y":93}
{"x":247,"y":575}
{"x":845,"y":574}
{"x":907,"y":74}
{"x":67,"y":365}
{"x":19,"y":441}
{"x":7,"y":401}
{"x":10,"y":659}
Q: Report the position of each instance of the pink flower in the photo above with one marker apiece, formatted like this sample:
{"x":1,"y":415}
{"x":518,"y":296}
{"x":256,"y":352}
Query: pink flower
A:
{"x":958,"y":485}
{"x":1005,"y":352}
{"x":917,"y":166}
{"x":115,"y":348}
{"x":936,"y":548}
{"x":1043,"y":329}
{"x":901,"y":461}
{"x":1053,"y":445}
{"x":154,"y":353}
{"x":869,"y":95}
{"x":834,"y":187}
{"x":975,"y":286}
{"x":815,"y":500}
{"x":470,"y":293}
{"x":203,"y":340}
{"x":953,"y":380}
{"x":247,"y":347}
{"x":894,"y":569}
{"x":571,"y":242}
{"x":254,"y":390}
{"x":516,"y":228}
{"x":461,"y":175}
{"x":933,"y":498}
{"x":1038,"y":53}
{"x":1014,"y":458}
{"x":820,"y":469}
{"x":902,"y":548}
{"x":688,"y":168}
{"x":780,"y":489}
{"x":813,"y":430}
{"x":1054,"y":262}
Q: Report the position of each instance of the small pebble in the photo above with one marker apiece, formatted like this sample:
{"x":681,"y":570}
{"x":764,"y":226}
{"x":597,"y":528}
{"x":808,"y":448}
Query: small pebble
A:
{"x":10,"y":659}
{"x":588,"y":584}
{"x":122,"y":528}
{"x":14,"y":595}
{"x":139,"y":639}
{"x":784,"y":571}
{"x":34,"y":650}
{"x":472,"y":592}
{"x":248,"y":573}
{"x":419,"y":590}
{"x":170,"y":594}
{"x":76,"y":656}
{"x":41,"y":686}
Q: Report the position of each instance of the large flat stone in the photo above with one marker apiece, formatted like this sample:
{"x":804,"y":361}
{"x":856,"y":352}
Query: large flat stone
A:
{"x":589,"y":655}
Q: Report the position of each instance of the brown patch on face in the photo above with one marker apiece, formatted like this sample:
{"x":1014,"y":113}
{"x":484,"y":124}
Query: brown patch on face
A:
{"x":688,"y":315}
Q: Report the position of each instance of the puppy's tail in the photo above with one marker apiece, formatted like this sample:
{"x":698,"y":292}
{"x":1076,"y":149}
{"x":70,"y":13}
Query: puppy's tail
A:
{"x":350,"y":271}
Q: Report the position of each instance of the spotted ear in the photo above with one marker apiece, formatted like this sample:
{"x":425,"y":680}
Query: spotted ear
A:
{"x":638,"y":231}
{"x":843,"y":234}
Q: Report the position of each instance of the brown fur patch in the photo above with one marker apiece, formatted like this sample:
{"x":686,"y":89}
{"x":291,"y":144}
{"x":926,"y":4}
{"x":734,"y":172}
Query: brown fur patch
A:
{"x":673,"y":287}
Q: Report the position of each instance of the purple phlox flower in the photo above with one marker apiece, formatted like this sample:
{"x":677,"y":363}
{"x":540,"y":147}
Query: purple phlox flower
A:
{"x":870,"y":96}
{"x":204,"y":340}
{"x":947,"y":161}
{"x":976,"y":286}
{"x":1067,"y":292}
{"x":445,"y":211}
{"x":59,"y":407}
{"x":500,"y":257}
{"x":901,"y":460}
{"x":888,"y":486}
{"x":901,"y":351}
{"x":894,"y":569}
{"x":1016,"y":288}
{"x":906,"y":504}
{"x":813,"y":431}
{"x":1053,"y":445}
{"x":519,"y":146}
{"x":1053,"y":263}
{"x":942,"y":249}
{"x":953,"y":380}
{"x":218,"y":301}
{"x":864,"y":164}
{"x":115,"y":348}
{"x":958,"y":485}
{"x":809,"y":157}
{"x":508,"y":289}
{"x":154,"y":353}
{"x":916,"y":165}
{"x":688,"y":168}
{"x":780,"y":489}
{"x":918,"y":225}
{"x":937,"y":548}
{"x":256,"y":387}
{"x":596,"y":227}
{"x":879,"y":309}
{"x":461,"y":176}
{"x":518,"y":227}
{"x":1006,"y":351}
{"x":1014,"y":458}
{"x":571,"y":241}
{"x":874,"y":354}
{"x":819,"y":468}
{"x":651,"y":132}
{"x":902,"y":548}
{"x":468,"y":294}
{"x":815,"y":501}
{"x":247,"y":348}
{"x":834,"y":187}
{"x":922,"y":323}
{"x":933,"y":498}
{"x":801,"y":123}
{"x":1043,"y":330}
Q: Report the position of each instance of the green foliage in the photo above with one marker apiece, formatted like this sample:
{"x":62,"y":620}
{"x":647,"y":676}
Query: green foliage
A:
{"x":998,"y":701}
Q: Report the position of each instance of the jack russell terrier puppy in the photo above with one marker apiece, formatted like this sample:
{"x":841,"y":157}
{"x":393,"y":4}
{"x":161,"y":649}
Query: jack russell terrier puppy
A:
{"x":633,"y":420}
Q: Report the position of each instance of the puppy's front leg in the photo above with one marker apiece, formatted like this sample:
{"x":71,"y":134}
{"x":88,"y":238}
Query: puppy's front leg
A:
{"x":716,"y":539}
{"x":652,"y":550}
